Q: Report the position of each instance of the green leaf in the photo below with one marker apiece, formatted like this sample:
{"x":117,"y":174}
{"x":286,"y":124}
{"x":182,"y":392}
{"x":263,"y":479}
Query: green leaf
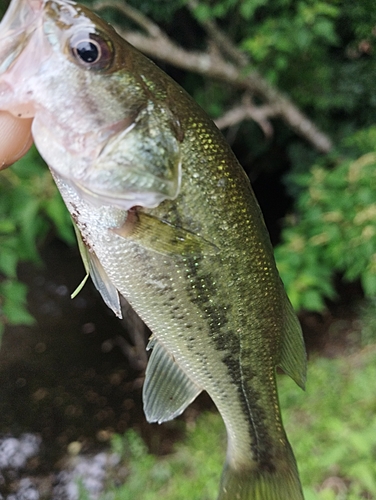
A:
{"x":368,"y":280}
{"x":202,"y":12}
{"x":249,"y":7}
{"x":13,"y":304}
{"x":57,"y":211}
{"x":7,"y":226}
{"x":8,"y":261}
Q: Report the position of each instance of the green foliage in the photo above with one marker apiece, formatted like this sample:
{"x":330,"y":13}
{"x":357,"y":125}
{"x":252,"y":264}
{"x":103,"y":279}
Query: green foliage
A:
{"x":334,"y":230}
{"x":293,"y":31}
{"x":30,"y":206}
{"x":331,"y":426}
{"x":192,"y":471}
{"x":162,"y":11}
{"x":13,"y":304}
{"x":319,"y":52}
{"x":368,"y":322}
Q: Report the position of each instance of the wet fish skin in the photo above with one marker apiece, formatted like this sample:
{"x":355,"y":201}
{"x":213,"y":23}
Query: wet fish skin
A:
{"x":167,"y":217}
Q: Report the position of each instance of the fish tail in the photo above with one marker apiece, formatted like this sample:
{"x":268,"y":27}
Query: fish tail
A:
{"x":259,"y":483}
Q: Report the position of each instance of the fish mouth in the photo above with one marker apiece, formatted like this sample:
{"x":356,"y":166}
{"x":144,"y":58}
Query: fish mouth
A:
{"x":19,"y":16}
{"x":15,"y":28}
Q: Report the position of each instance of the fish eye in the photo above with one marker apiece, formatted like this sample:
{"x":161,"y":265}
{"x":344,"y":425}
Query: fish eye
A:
{"x":91,"y":51}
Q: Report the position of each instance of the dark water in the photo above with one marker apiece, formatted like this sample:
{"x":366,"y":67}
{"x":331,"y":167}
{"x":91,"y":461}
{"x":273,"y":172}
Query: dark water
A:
{"x":76,"y":376}
{"x":65,"y":378}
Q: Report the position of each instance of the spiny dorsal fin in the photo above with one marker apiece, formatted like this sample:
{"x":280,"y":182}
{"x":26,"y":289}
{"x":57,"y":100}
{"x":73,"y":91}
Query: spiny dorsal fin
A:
{"x":167,"y":388}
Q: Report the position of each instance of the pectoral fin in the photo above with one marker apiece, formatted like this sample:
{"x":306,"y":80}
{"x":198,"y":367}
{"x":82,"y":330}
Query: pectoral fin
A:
{"x":167,"y":388}
{"x":102,"y":283}
{"x":163,"y":237}
{"x":99,"y":276}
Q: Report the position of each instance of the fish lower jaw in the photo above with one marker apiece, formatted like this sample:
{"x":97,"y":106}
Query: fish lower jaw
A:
{"x":12,"y":105}
{"x":22,"y":111}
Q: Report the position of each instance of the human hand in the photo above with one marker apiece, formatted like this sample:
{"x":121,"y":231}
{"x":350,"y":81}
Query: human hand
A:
{"x":15,"y":138}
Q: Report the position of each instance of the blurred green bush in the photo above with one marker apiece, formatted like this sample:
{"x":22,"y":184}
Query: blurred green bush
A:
{"x":333,"y":230}
{"x":30,"y":206}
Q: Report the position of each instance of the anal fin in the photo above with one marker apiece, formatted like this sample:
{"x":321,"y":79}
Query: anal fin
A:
{"x":167,"y":390}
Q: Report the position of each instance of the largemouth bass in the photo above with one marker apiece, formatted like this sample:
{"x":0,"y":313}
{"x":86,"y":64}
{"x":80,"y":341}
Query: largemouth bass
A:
{"x":166,"y":217}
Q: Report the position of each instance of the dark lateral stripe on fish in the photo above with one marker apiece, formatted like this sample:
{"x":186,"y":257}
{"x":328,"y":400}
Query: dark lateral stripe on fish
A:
{"x":227,"y":341}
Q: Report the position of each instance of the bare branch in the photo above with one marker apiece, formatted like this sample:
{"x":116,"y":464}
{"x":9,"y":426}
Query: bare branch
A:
{"x":212,"y":65}
{"x":248,"y":110}
{"x":135,"y":15}
{"x":217,"y":68}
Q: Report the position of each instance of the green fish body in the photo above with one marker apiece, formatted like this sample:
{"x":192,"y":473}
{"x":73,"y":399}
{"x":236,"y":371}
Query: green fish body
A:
{"x":166,"y":217}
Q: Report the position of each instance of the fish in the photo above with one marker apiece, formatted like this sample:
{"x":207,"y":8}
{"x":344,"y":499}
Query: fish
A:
{"x":166,"y":217}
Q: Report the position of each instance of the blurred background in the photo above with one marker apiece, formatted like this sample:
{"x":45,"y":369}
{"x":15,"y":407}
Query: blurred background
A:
{"x":291,"y":84}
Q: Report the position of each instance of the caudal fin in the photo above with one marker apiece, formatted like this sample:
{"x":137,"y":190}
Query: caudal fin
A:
{"x":259,"y":484}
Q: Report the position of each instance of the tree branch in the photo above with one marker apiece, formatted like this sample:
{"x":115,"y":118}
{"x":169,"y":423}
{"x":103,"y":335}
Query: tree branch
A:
{"x":212,"y":65}
{"x":247,"y":110}
{"x":135,"y":15}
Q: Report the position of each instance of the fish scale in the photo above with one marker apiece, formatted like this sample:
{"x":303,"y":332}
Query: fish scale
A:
{"x":166,"y":217}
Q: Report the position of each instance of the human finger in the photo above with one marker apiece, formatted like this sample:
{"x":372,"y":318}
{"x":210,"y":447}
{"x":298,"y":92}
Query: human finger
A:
{"x":15,"y":138}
